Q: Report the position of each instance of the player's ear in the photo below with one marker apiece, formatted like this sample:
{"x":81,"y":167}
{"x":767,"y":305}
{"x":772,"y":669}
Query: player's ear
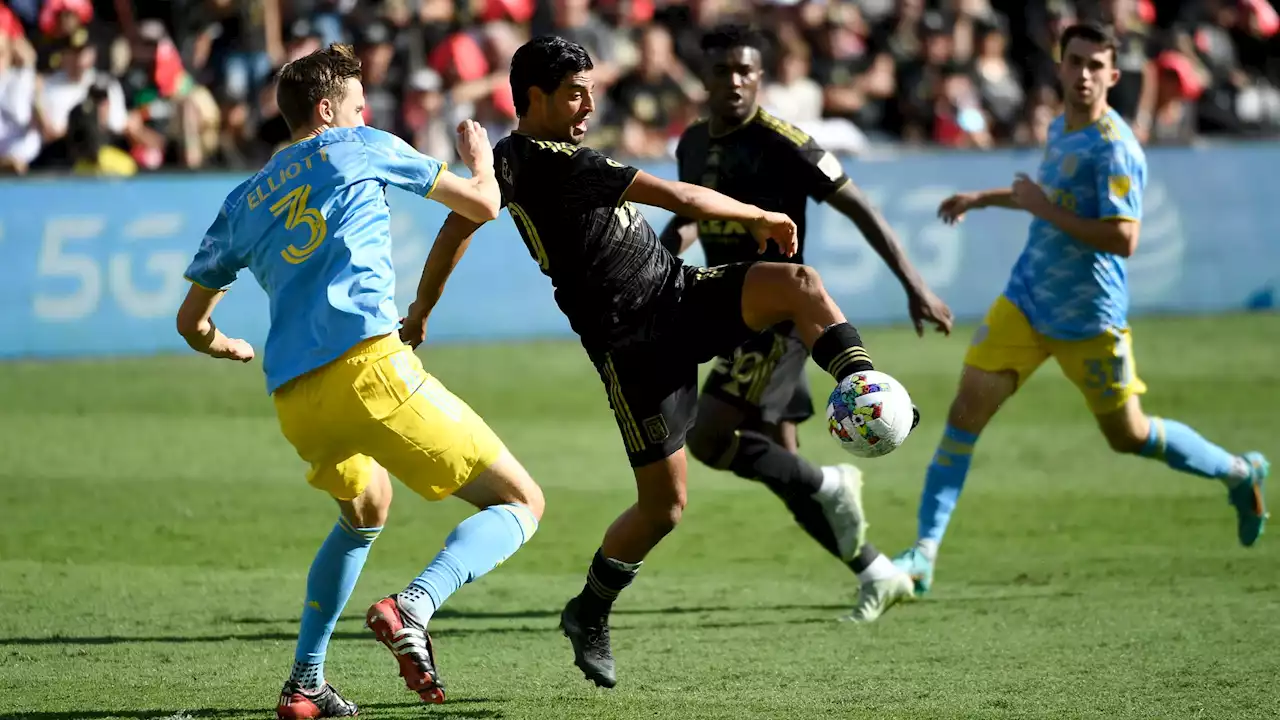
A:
{"x":325,"y":109}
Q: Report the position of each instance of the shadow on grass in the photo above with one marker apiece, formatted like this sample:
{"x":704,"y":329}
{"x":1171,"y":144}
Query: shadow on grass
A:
{"x":450,"y":709}
{"x":289,"y":634}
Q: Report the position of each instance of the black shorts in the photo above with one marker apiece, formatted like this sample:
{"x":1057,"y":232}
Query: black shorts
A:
{"x":765,"y":378}
{"x":652,"y":378}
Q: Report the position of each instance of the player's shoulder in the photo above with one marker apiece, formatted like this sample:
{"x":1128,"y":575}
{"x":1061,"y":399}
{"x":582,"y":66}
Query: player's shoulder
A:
{"x":1112,"y":135}
{"x":699,"y":129}
{"x":780,"y":131}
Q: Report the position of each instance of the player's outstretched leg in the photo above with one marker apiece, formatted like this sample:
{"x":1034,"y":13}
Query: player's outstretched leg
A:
{"x":979,"y":397}
{"x":661,"y":498}
{"x":333,"y":576}
{"x":1130,"y":430}
{"x":826,"y":502}
{"x":511,"y":507}
{"x":721,"y":438}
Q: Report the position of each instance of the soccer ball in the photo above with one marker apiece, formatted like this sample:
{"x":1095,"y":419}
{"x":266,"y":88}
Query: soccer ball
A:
{"x":870,"y":414}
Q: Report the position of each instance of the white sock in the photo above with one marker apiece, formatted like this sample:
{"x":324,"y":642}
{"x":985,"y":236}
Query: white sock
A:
{"x":882,"y":568}
{"x":928,"y":548}
{"x":1241,"y":470}
{"x":830,"y":484}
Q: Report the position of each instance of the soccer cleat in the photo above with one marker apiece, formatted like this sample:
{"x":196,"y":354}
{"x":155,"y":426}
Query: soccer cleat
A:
{"x":844,"y":513}
{"x":1248,"y":499}
{"x":877,"y":596}
{"x":917,"y":567}
{"x":592,"y":652}
{"x":299,"y":703}
{"x":411,"y":645}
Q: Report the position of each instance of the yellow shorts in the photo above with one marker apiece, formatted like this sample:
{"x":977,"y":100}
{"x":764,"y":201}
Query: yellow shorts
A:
{"x":1102,"y":367}
{"x":377,"y":404}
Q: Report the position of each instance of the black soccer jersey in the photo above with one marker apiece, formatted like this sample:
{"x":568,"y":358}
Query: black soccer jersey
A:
{"x":765,"y":162}
{"x":603,"y":258}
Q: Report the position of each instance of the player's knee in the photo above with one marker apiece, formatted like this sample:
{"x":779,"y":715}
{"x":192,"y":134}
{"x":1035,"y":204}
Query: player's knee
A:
{"x":664,"y":519}
{"x":806,"y":283}
{"x":1124,"y":438}
{"x":709,"y":443}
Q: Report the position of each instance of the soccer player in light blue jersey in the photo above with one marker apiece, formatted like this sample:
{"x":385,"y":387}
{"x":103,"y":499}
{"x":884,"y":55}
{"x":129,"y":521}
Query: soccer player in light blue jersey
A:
{"x":313,"y":227}
{"x":1068,"y":298}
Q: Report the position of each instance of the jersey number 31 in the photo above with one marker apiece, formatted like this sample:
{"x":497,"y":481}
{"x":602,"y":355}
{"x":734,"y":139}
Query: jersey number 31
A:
{"x":299,"y":214}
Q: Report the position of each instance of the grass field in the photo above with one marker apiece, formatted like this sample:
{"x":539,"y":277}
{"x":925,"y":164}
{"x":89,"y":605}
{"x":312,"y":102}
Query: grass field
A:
{"x":157,"y":531}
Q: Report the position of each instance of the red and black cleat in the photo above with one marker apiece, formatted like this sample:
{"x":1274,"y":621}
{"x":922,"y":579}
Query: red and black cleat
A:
{"x":298,"y":703}
{"x":411,"y":645}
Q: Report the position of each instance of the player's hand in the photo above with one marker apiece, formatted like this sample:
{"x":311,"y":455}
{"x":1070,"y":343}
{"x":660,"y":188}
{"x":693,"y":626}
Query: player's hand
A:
{"x":235,"y":349}
{"x":473,"y":146}
{"x":413,"y":327}
{"x":925,"y":307}
{"x":1028,"y":194}
{"x":952,"y":209}
{"x":777,"y":227}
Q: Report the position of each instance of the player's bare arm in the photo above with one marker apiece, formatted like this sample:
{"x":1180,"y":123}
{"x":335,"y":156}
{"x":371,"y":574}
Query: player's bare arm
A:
{"x":679,"y":234}
{"x":477,"y":198}
{"x":699,"y":203}
{"x":1118,"y":236}
{"x":923,"y":305}
{"x":450,"y":245}
{"x":953,"y":209}
{"x":195,"y":325}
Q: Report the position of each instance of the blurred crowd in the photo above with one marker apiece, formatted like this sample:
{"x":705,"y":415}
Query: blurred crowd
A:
{"x":123,"y":86}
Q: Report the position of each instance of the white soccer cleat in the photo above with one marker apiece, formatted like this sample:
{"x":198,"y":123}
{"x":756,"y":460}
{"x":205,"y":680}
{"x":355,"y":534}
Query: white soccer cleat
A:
{"x":877,"y":596}
{"x":844,"y":513}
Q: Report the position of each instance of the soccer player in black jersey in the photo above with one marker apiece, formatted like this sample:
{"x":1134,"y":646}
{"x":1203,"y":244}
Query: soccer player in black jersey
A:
{"x":758,"y":392}
{"x":645,"y":319}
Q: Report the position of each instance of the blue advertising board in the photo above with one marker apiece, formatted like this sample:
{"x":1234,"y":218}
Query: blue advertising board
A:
{"x":91,"y":267}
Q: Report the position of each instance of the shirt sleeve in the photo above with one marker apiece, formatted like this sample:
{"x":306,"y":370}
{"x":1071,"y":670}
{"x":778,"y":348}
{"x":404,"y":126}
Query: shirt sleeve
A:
{"x":819,"y":170}
{"x":395,"y":162}
{"x":1121,"y":177}
{"x":597,"y":181}
{"x":215,"y":265}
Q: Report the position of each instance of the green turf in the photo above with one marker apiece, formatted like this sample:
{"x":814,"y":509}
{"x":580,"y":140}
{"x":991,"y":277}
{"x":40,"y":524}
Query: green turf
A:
{"x":156,"y":536}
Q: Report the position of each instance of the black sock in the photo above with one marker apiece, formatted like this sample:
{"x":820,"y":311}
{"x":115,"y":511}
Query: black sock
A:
{"x":758,"y":457}
{"x":839,"y":351}
{"x":605,"y":580}
{"x":865,"y":557}
{"x":807,"y":513}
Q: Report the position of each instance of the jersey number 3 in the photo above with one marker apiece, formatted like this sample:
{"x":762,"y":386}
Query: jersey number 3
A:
{"x":299,"y":214}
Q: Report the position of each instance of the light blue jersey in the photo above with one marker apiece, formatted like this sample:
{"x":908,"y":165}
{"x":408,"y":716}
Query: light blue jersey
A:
{"x":314,"y":228}
{"x":1068,"y":290}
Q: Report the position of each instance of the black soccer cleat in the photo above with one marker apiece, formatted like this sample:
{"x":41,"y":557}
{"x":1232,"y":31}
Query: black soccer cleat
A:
{"x":298,"y":703}
{"x":591,"y":650}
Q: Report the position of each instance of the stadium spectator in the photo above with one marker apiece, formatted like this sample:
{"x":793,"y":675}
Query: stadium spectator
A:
{"x":956,"y":73}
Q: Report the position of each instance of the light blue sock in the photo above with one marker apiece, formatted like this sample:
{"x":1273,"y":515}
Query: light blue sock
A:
{"x":942,"y":484}
{"x":329,"y":584}
{"x":1185,"y":450}
{"x":479,"y":544}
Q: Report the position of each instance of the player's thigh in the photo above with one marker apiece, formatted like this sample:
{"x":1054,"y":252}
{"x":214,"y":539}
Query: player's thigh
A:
{"x":653,"y":393}
{"x":424,"y":434}
{"x":316,"y":417}
{"x":1005,"y":342}
{"x":713,"y":439}
{"x":760,"y":375}
{"x":709,"y":319}
{"x":504,"y":482}
{"x":1103,"y":368}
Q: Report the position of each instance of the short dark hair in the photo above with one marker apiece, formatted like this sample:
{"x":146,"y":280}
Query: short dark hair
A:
{"x":1089,"y":32}
{"x":543,"y":63}
{"x":311,"y":78}
{"x":729,"y":36}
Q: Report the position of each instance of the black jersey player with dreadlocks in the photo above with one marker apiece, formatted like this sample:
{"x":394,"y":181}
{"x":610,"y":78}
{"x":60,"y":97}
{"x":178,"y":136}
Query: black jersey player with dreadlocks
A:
{"x":757,"y":392}
{"x":644,"y":318}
